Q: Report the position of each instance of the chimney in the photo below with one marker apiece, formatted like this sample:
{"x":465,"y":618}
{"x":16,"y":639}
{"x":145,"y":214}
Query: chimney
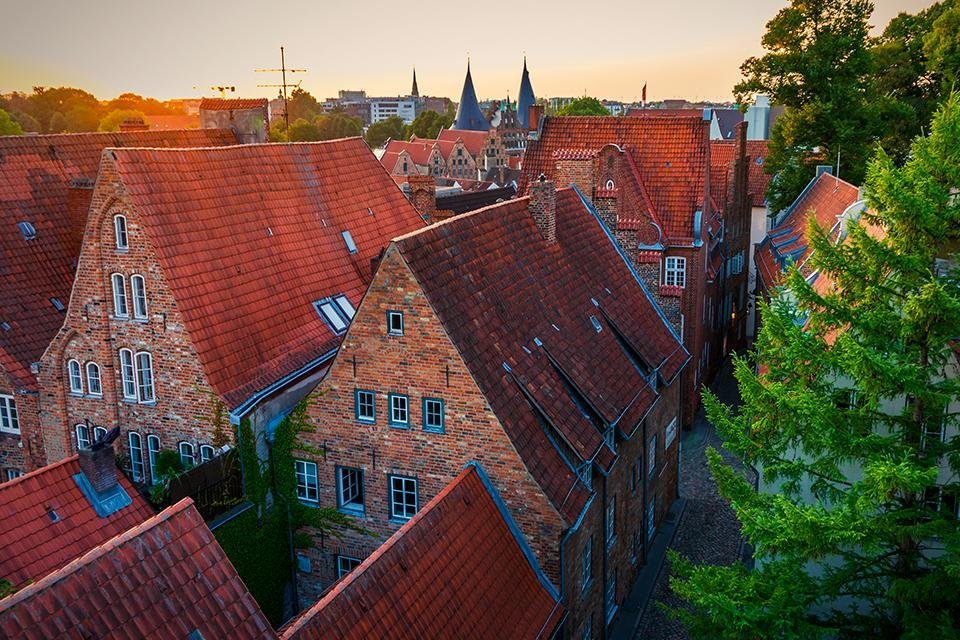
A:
{"x":543,"y":207}
{"x":99,"y":467}
{"x":134,"y":124}
{"x":534,"y":114}
{"x":423,"y":195}
{"x":78,"y":204}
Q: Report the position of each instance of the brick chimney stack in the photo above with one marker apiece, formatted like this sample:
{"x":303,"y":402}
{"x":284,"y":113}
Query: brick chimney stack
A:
{"x":535,"y":112}
{"x":78,"y":204}
{"x":100,"y":467}
{"x":543,"y":207}
{"x":423,"y":194}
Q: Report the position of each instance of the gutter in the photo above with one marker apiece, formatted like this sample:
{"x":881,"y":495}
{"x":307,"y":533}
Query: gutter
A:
{"x":247,"y":405}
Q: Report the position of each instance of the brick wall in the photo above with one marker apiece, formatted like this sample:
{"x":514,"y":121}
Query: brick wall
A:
{"x":11,"y":450}
{"x":250,"y":125}
{"x":461,"y":164}
{"x":184,"y":401}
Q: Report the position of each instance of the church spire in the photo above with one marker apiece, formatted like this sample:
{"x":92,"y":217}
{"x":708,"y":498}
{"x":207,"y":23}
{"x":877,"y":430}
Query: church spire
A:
{"x":469,"y":115}
{"x":415,"y":92}
{"x":526,"y":98}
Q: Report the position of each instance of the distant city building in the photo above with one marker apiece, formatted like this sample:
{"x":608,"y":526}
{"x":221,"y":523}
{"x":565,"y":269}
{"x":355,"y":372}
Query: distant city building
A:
{"x":384,"y":108}
{"x":760,"y":118}
{"x":558,"y":103}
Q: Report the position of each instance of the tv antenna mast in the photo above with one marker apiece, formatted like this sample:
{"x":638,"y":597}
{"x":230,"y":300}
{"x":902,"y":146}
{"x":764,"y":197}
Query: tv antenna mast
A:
{"x":221,"y":89}
{"x":283,"y":70}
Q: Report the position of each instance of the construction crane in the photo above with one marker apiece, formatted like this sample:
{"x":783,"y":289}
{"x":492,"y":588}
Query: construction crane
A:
{"x":283,"y":85}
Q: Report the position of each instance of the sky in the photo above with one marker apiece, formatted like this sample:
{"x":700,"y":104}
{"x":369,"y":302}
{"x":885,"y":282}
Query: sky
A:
{"x":177,"y":49}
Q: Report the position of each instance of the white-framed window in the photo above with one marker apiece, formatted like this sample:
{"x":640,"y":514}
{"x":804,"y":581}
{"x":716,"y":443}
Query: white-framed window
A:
{"x":671,"y":434}
{"x":611,"y":519}
{"x":346,"y":309}
{"x":652,"y":455}
{"x":75,"y":376}
{"x":366,"y":406}
{"x":188,"y":454}
{"x":128,"y":374}
{"x":9,"y":419}
{"x":119,"y":283}
{"x":403,"y":497}
{"x":610,"y":184}
{"x":145,"y":389}
{"x":136,"y":455}
{"x":651,"y":516}
{"x":308,"y":487}
{"x":675,"y":272}
{"x":153,"y":452}
{"x":138,"y":287}
{"x":83,"y":436}
{"x":736,"y":263}
{"x":13,"y":474}
{"x":207,"y":453}
{"x":586,"y":565}
{"x":337,"y":312}
{"x":346,"y":564}
{"x":94,"y":387}
{"x":98,"y":433}
{"x":399,"y":410}
{"x":395,"y":323}
{"x":350,"y":490}
{"x":120,"y":231}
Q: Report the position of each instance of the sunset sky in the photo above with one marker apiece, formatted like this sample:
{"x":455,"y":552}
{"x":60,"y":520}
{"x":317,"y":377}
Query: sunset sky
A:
{"x":681,"y":48}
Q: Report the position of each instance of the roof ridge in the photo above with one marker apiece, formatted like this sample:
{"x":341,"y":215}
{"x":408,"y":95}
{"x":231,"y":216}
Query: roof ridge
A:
{"x":250,"y":145}
{"x":457,"y":218}
{"x":95,"y":553}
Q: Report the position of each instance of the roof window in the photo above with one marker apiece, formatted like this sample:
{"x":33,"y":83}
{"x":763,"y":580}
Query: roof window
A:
{"x":348,"y":239}
{"x":28,"y":230}
{"x":596,"y":324}
{"x":57,"y":304}
{"x":336,"y":311}
{"x":5,"y":325}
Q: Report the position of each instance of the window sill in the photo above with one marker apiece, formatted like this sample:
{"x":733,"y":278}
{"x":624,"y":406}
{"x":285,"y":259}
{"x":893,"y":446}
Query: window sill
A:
{"x":368,"y":422}
{"x":9,"y":432}
{"x":315,"y":504}
{"x":440,"y":431}
{"x":142,"y":320}
{"x":356,"y":512}
{"x":398,"y":520}
{"x":394,"y":334}
{"x":394,"y":425}
{"x":75,"y":394}
{"x":94,"y":396}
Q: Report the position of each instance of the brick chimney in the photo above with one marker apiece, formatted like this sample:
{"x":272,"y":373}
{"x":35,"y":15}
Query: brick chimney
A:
{"x":134,"y":124}
{"x":423,"y":194}
{"x":536,"y":110}
{"x":543,"y":207}
{"x":99,"y":467}
{"x":78,"y":204}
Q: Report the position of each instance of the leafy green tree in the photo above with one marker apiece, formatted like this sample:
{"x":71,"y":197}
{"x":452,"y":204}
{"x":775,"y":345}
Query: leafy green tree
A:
{"x":278,"y":131}
{"x":844,"y":421}
{"x":942,"y":46}
{"x":113,"y":120}
{"x":26,"y":121}
{"x":338,"y":125}
{"x":428,"y":125}
{"x":303,"y":131}
{"x":300,"y":104}
{"x":57,"y":123}
{"x":379,"y":132}
{"x":134,"y":102}
{"x":816,"y":64}
{"x":584,"y":107}
{"x":46,"y":102}
{"x":9,"y":126}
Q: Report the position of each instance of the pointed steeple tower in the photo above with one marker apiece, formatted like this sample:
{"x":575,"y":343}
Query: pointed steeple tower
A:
{"x":469,"y":115}
{"x":415,"y":92}
{"x":525,"y":98}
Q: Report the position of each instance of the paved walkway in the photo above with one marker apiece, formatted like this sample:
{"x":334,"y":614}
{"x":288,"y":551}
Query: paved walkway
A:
{"x":707,"y":532}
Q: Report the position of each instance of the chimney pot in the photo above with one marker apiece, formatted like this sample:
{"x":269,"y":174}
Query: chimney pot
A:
{"x":543,"y":208}
{"x":99,"y":467}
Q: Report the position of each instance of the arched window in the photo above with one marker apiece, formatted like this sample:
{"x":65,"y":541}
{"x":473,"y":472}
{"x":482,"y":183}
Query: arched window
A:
{"x":136,"y":455}
{"x":119,"y":283}
{"x":127,"y":374}
{"x":153,"y":452}
{"x":188,"y":455}
{"x":83,"y":436}
{"x":94,"y":387}
{"x":75,"y":376}
{"x":207,"y":452}
{"x":120,"y":231}
{"x":99,"y":433}
{"x":144,"y":367}
{"x":610,"y":184}
{"x":138,"y":286}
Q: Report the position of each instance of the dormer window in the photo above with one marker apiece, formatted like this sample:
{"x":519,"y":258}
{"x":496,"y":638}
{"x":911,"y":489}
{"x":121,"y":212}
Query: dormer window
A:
{"x":120,"y":232}
{"x":675,"y":272}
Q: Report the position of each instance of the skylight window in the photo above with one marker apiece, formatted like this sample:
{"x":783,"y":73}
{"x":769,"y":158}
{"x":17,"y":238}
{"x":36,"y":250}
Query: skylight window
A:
{"x":5,"y":326}
{"x":336,"y":311}
{"x":596,"y":324}
{"x":345,"y":306}
{"x":348,"y":239}
{"x":57,"y":304}
{"x":28,"y":230}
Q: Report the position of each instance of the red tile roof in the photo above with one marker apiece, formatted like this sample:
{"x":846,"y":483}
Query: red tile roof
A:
{"x":721,"y":158}
{"x":670,"y":152}
{"x":249,"y":312}
{"x":163,"y":578}
{"x":35,"y":175}
{"x":824,"y":199}
{"x":33,"y":544}
{"x":167,"y":123}
{"x":420,"y":149}
{"x":457,"y":569}
{"x":472,"y":140}
{"x":519,"y":312}
{"x":229,"y":104}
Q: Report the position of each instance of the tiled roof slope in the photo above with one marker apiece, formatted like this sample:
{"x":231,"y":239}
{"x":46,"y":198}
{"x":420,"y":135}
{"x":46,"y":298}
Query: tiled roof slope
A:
{"x":35,"y":175}
{"x":671,"y":153}
{"x":499,"y":289}
{"x":250,"y":236}
{"x":470,"y":200}
{"x":722,"y":155}
{"x":420,"y":148}
{"x":457,"y":569}
{"x":229,"y":104}
{"x":472,"y":140}
{"x":826,"y":198}
{"x":163,"y":578}
{"x":33,"y":543}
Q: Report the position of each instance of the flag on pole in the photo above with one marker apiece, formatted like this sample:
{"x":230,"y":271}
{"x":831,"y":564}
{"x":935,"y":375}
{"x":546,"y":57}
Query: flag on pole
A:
{"x":644,"y":98}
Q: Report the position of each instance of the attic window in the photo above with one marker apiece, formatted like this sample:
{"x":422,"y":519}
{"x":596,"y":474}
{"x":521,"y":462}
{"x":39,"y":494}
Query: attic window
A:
{"x":52,"y":514}
{"x":596,"y":324}
{"x":5,"y":326}
{"x":345,"y":307}
{"x":57,"y":304}
{"x":348,"y":239}
{"x":28,"y":230}
{"x":334,"y":313}
{"x":610,"y":184}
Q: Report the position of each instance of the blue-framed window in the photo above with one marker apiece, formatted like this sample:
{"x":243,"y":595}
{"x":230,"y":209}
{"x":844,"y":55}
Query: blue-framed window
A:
{"x":404,"y":500}
{"x":395,"y":323}
{"x":336,"y":311}
{"x":399,"y":410}
{"x":433,"y":415}
{"x":365,"y":402}
{"x":350,"y":496}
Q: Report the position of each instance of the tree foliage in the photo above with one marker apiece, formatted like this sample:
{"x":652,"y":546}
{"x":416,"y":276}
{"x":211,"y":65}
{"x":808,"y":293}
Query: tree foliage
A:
{"x":113,"y":120}
{"x":428,"y":124}
{"x":301,"y":104}
{"x":584,"y":107}
{"x":379,"y":132}
{"x":9,"y":126}
{"x":850,"y":541}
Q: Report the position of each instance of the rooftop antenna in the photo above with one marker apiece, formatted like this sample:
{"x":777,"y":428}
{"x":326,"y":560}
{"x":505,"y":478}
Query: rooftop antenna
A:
{"x":283,"y":84}
{"x":223,"y":90}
